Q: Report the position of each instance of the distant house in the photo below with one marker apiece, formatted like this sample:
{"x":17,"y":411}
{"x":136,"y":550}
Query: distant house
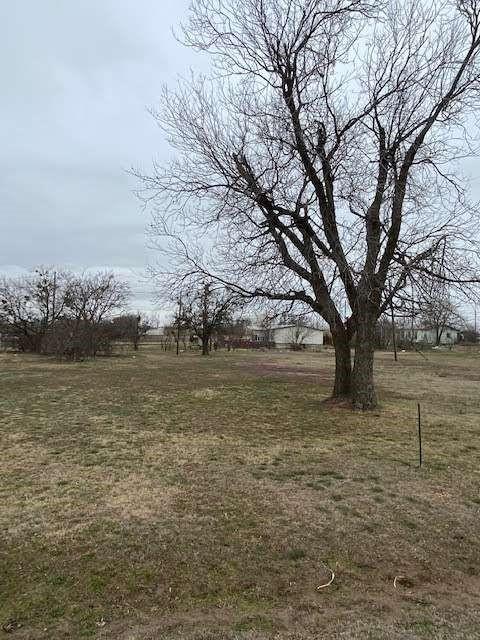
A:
{"x":167,"y":337}
{"x":431,"y":335}
{"x":155,"y":334}
{"x":446,"y":335}
{"x":289,"y":336}
{"x":159,"y":331}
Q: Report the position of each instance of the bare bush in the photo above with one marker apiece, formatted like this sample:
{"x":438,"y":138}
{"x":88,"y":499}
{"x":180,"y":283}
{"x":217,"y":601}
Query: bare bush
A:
{"x":58,"y":313}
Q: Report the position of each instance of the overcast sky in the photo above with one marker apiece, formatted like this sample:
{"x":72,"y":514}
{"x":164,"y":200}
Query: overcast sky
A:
{"x":77,"y":78}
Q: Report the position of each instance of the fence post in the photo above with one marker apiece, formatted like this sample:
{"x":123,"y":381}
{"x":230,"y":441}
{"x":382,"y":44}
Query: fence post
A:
{"x":420,"y":457}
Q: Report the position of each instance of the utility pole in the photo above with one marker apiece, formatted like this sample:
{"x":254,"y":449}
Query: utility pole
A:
{"x":136,"y":338}
{"x":205,"y":336}
{"x":179,"y":319}
{"x":412,"y":326}
{"x":54,"y":295}
{"x":394,"y":337}
{"x":53,"y":322}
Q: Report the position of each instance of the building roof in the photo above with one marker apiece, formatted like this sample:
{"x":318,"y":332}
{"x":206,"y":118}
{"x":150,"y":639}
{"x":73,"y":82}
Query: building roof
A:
{"x":159,"y":331}
{"x":287,"y":326}
{"x":430,"y":328}
{"x":420,"y":327}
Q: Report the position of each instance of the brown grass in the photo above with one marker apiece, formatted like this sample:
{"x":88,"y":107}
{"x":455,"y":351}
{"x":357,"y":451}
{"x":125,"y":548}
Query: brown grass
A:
{"x":156,"y":497}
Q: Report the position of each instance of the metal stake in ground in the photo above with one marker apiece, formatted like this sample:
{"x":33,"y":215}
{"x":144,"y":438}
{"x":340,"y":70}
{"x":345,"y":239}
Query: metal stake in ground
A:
{"x":394,"y":337}
{"x":178,"y":323}
{"x":419,"y":434}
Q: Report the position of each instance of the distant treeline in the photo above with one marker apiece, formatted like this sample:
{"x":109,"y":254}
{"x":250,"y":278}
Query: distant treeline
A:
{"x":67,"y":315}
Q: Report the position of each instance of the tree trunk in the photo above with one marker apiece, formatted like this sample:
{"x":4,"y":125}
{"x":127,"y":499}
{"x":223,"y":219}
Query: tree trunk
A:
{"x":363,"y":386}
{"x":205,"y":346}
{"x":343,"y":365}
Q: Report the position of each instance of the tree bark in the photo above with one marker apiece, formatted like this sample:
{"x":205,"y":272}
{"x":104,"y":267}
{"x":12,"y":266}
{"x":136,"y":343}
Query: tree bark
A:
{"x":343,"y":365}
{"x":363,"y":385}
{"x":205,"y":346}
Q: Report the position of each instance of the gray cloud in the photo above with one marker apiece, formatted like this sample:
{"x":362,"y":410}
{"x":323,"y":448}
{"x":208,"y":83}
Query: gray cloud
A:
{"x":77,"y":78}
{"x":76,"y":81}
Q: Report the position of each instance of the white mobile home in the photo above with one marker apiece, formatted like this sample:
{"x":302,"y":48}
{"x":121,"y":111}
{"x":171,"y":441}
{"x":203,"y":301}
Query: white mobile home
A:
{"x":289,"y":336}
{"x":430,"y":335}
{"x":442,"y":336}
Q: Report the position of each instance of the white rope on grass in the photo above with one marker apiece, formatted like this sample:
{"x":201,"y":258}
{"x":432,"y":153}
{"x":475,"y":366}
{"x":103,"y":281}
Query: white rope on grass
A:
{"x":327,"y":584}
{"x":395,"y":580}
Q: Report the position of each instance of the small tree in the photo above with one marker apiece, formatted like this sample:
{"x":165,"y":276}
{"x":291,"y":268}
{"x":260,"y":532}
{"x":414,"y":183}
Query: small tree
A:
{"x":208,"y":310}
{"x":131,"y":327}
{"x":471,"y":335}
{"x":234,"y":332}
{"x":438,"y":314}
{"x":298,"y":334}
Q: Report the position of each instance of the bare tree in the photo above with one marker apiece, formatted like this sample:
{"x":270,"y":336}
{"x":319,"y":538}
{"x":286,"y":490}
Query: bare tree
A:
{"x":19,"y":313}
{"x":55,"y":312}
{"x":207,"y":311}
{"x":435,"y":303}
{"x":131,"y":327}
{"x":438,"y":312}
{"x":298,"y":335}
{"x":317,"y":162}
{"x":470,"y":335}
{"x":233,"y":331}
{"x":32,"y":305}
{"x":91,"y":299}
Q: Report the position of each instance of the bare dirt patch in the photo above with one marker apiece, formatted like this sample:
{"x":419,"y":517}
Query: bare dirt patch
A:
{"x":321,"y":376}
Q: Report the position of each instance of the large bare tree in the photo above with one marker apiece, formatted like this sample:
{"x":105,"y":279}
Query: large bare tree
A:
{"x":317,"y":161}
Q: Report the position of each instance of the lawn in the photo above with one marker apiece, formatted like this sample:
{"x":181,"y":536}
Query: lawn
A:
{"x":150,"y":496}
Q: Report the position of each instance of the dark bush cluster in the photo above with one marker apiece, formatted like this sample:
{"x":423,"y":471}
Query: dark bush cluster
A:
{"x":66,"y":315}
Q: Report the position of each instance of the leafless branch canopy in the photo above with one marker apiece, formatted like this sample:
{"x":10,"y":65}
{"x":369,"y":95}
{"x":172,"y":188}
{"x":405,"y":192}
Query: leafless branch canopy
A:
{"x":320,"y":158}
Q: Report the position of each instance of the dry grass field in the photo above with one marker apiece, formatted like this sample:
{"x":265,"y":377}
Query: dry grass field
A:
{"x":203,"y":498}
